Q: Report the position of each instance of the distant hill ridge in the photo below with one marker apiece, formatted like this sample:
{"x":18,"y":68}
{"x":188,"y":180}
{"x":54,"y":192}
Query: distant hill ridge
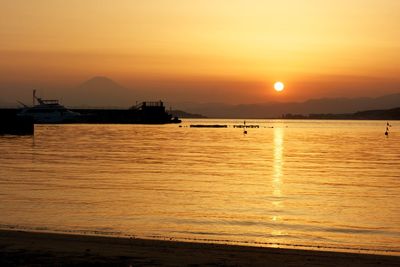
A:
{"x":387,"y":114}
{"x":275,"y":110}
{"x":101,"y":91}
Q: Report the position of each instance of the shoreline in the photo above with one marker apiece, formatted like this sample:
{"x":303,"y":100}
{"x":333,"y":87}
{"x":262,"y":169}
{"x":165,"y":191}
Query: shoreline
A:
{"x":24,"y":248}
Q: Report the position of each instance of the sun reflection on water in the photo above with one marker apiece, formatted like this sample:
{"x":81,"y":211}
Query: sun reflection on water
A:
{"x":277,"y":173}
{"x":278,"y":162}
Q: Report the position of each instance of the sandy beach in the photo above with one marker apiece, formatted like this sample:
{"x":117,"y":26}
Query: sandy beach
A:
{"x":47,"y":249}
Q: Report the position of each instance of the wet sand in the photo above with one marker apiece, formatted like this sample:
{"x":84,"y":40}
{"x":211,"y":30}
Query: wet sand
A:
{"x":19,"y":248}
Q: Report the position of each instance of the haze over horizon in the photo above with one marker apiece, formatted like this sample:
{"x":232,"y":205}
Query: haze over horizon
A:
{"x":230,"y":51}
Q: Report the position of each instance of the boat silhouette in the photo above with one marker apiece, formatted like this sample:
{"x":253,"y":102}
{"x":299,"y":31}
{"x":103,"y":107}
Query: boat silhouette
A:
{"x":48,"y":111}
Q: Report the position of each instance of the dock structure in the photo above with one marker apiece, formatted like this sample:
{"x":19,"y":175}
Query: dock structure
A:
{"x":222,"y":126}
{"x":208,"y":126}
{"x":246,"y":126}
{"x":143,"y":113}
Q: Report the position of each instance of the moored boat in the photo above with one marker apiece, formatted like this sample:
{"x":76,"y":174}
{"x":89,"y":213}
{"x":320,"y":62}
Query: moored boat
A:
{"x":48,"y":111}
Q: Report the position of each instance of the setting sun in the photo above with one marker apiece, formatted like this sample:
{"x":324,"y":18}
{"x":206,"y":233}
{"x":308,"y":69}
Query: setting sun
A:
{"x":279,"y":86}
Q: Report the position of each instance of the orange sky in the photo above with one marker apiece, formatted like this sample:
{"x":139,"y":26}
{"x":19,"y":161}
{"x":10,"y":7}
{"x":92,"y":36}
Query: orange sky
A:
{"x":317,"y":48}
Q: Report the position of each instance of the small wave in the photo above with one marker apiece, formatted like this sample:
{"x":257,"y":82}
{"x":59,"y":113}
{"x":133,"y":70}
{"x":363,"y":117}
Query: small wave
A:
{"x":252,"y":243}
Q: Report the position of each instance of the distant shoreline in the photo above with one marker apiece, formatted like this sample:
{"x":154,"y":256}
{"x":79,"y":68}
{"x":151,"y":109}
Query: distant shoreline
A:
{"x":294,"y":119}
{"x":385,"y":115}
{"x":48,"y":249}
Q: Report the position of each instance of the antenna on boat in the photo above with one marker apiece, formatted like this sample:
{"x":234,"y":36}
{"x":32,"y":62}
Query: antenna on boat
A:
{"x":33,"y":97}
{"x":25,"y":106}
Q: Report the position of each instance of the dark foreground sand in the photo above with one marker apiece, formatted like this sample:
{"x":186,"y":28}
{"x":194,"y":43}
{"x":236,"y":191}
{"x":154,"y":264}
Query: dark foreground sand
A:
{"x":41,"y":249}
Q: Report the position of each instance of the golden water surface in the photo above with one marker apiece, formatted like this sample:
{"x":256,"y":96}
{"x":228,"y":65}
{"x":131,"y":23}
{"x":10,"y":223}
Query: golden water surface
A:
{"x":331,"y":185}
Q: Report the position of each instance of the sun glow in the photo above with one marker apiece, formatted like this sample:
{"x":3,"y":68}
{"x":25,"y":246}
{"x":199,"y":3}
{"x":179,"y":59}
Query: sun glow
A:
{"x":279,"y":86}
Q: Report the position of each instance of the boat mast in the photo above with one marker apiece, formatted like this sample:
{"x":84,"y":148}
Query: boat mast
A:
{"x":34,"y":97}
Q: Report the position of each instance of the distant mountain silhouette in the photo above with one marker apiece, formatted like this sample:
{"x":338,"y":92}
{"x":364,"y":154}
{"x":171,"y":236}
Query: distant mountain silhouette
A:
{"x":101,"y":91}
{"x":100,"y":83}
{"x":275,"y":109}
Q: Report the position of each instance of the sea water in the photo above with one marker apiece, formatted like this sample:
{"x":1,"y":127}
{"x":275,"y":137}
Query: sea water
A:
{"x":331,"y":185}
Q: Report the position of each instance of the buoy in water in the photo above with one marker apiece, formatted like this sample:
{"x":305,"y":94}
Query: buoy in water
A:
{"x":387,"y":130}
